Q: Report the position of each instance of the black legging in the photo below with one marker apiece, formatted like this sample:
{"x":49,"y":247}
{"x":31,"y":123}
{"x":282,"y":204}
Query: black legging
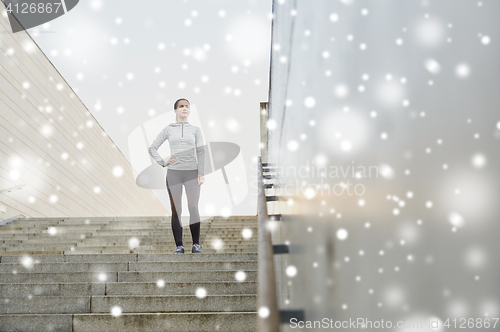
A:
{"x":175,"y":180}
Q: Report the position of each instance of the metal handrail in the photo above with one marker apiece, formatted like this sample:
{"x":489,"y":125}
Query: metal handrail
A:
{"x":267,"y":302}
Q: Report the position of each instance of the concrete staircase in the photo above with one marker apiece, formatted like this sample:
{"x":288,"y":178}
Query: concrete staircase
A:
{"x":83,"y":274}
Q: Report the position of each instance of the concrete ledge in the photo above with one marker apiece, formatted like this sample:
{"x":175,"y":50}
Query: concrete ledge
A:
{"x":173,"y":303}
{"x":43,"y":278}
{"x":64,"y":267}
{"x":45,"y":305}
{"x":179,"y":322}
{"x":181,"y":276}
{"x":192,"y":266}
{"x":195,"y":258}
{"x":128,"y":266}
{"x":181,"y":288}
{"x":146,"y":257}
{"x":36,"y":323}
{"x":127,"y":303}
{"x":127,"y":288}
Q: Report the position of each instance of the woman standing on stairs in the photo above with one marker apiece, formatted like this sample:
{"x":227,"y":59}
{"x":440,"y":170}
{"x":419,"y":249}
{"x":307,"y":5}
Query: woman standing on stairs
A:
{"x":183,"y":169}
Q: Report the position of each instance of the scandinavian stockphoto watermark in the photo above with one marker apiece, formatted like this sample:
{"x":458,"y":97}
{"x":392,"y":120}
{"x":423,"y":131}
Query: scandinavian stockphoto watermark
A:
{"x":26,"y":14}
{"x":432,"y":323}
{"x":310,"y":179}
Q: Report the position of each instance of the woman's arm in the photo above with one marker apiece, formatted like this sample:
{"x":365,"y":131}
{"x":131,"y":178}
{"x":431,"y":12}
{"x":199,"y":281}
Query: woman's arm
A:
{"x":153,"y":149}
{"x":200,"y":151}
{"x":200,"y":155}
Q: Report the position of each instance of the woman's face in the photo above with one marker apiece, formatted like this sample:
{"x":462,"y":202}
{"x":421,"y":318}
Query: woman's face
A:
{"x":182,"y":108}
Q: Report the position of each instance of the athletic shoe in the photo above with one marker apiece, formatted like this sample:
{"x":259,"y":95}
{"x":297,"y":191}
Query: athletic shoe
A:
{"x":196,"y":249}
{"x":179,"y":250}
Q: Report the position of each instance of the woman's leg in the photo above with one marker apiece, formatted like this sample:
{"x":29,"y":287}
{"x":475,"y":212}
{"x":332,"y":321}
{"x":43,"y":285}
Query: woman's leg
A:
{"x":193,"y":196}
{"x":174,"y":188}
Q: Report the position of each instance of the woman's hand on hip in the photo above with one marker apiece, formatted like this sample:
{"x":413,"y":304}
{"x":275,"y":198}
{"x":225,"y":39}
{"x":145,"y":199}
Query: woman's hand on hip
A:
{"x":201,"y":179}
{"x":170,"y":161}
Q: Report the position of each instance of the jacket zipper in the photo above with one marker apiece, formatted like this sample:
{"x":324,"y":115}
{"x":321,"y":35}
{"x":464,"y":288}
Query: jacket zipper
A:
{"x":183,"y":130}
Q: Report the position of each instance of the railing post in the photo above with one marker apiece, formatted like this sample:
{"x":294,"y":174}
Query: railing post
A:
{"x":264,"y":117}
{"x":268,"y":315}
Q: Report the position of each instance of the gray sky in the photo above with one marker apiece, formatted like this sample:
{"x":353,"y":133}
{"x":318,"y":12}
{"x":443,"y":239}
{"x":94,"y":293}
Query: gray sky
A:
{"x":128,"y":64}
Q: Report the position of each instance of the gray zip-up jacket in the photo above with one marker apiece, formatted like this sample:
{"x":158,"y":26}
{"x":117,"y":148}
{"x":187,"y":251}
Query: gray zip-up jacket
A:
{"x":184,"y":139}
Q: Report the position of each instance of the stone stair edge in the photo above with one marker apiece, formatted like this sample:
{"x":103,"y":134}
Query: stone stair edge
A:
{"x":135,"y":282}
{"x":136,"y":255}
{"x":246,"y":268}
{"x":108,"y":252}
{"x":132,"y":217}
{"x":93,"y":272}
{"x":169,"y":262}
{"x":143,"y":313}
{"x":141,"y":296}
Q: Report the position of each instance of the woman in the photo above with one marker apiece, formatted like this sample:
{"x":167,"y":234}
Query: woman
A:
{"x":183,"y":169}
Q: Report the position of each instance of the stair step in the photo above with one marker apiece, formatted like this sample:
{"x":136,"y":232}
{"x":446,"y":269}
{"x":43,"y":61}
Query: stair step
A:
{"x":177,"y":276}
{"x":126,"y":288}
{"x":60,"y":231}
{"x":133,"y":322}
{"x":126,"y":266}
{"x":74,"y":258}
{"x":123,"y":251}
{"x":127,"y":303}
{"x":185,"y":276}
{"x":32,"y":252}
{"x":125,"y":244}
{"x":87,"y":268}
{"x":167,"y":246}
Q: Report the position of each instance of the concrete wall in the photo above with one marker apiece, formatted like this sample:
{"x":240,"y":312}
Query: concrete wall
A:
{"x":51,"y":144}
{"x":409,"y":91}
